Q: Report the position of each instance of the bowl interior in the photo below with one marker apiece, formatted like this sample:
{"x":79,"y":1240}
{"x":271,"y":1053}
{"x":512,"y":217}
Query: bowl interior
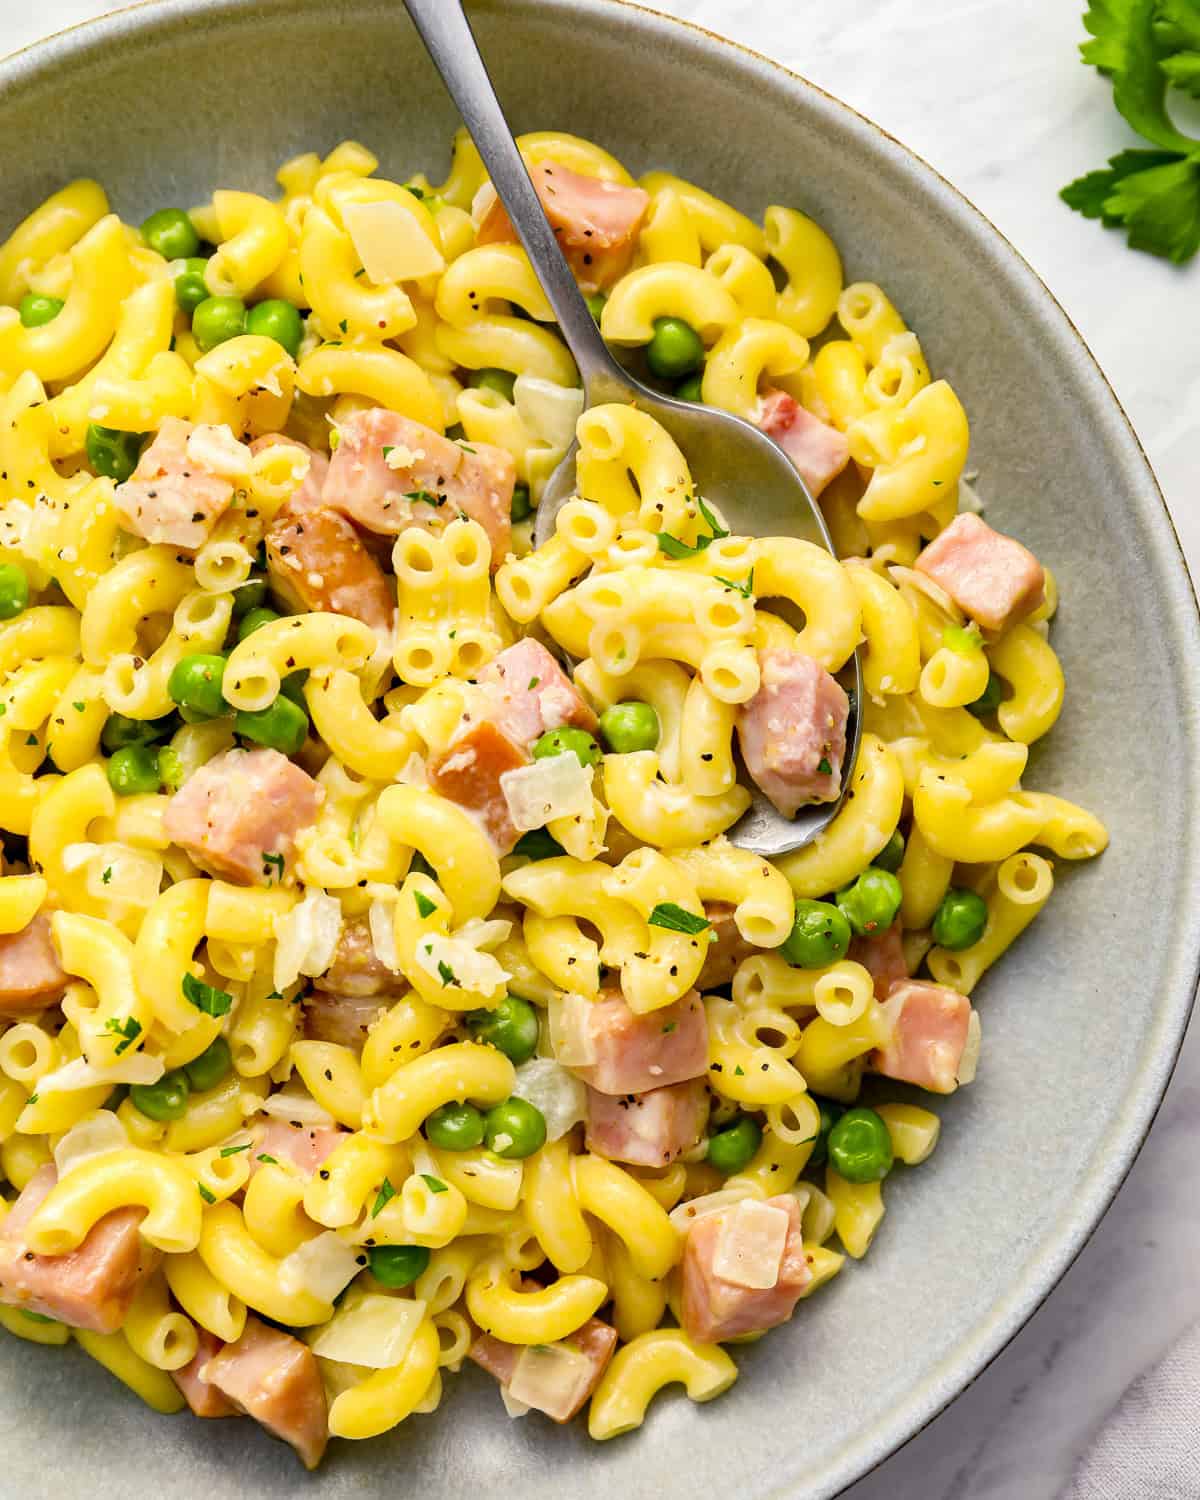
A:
{"x":1081,"y":1021}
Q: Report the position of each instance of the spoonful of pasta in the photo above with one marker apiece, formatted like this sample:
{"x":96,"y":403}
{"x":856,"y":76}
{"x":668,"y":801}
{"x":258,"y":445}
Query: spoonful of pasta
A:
{"x":713,"y":555}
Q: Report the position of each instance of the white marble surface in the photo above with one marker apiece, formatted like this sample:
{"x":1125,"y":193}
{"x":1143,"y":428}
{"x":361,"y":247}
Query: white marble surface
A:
{"x":991,"y":93}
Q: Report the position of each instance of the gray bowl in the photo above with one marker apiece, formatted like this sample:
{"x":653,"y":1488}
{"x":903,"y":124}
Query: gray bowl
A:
{"x":1082,"y":1021}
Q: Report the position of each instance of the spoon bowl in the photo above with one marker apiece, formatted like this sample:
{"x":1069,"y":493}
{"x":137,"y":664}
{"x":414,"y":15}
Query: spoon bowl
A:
{"x":740,"y":470}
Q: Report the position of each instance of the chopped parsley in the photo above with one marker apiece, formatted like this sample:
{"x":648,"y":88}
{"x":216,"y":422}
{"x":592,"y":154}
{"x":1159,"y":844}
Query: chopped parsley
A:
{"x":677,"y":549}
{"x":428,"y":496}
{"x":676,"y":919}
{"x":713,"y":524}
{"x":963,"y":641}
{"x":385,"y":1195}
{"x":533,"y":682}
{"x":445,"y":973}
{"x":107,"y":876}
{"x":466,"y":447}
{"x":31,"y":739}
{"x":739,"y":1071}
{"x":205,"y":1194}
{"x":79,"y":707}
{"x":669,"y":1028}
{"x":211,"y":1001}
{"x":36,"y":1317}
{"x":745,"y":589}
{"x":425,"y":907}
{"x":233,"y":1150}
{"x":344,"y":326}
{"x":272,"y":863}
{"x":434,"y":1184}
{"x":538,"y":844}
{"x":128,"y":1030}
{"x":270,"y":1160}
{"x":824,"y":767}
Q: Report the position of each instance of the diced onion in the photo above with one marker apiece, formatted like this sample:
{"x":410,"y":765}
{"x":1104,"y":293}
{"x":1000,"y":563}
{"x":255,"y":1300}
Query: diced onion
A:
{"x":556,"y":787}
{"x":548,"y":411}
{"x":484,"y":935}
{"x":551,"y":1377}
{"x":133,"y":875}
{"x":323,"y":1267}
{"x":295,"y":1107}
{"x":95,"y":1135}
{"x":380,"y":921}
{"x":570,"y":1031}
{"x":968,"y":495}
{"x":968,"y":1064}
{"x":750,"y":1245}
{"x":470,"y":969}
{"x":559,"y":1095}
{"x":391,"y":243}
{"x":901,"y":575}
{"x":373,"y":1331}
{"x":216,"y":450}
{"x":513,"y":1407}
{"x":136,"y":1067}
{"x":306,"y":938}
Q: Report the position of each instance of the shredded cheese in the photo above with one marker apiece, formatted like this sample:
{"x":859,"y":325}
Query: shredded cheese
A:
{"x":391,"y":243}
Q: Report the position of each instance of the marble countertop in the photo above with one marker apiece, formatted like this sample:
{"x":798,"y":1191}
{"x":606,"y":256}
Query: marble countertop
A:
{"x":1005,"y":111}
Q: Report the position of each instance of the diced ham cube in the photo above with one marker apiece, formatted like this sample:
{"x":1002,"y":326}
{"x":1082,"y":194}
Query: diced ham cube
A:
{"x":343,"y":1019}
{"x":308,"y":493}
{"x":389,"y":472}
{"x":932,"y":1026}
{"x":991,"y":577}
{"x":356,"y":970}
{"x":633,"y":1054}
{"x":819,"y":452}
{"x":173,"y":496}
{"x":595,"y":1340}
{"x":468,"y":772}
{"x":238,"y":815}
{"x":316,"y":561}
{"x":528,"y":693}
{"x":730,"y":948}
{"x":596,"y":223}
{"x":89,"y":1287}
{"x":305,"y":1147}
{"x":275,"y":1379}
{"x":793,"y":731}
{"x":716,"y":1307}
{"x":647,"y":1130}
{"x":882,"y":955}
{"x":31,"y":977}
{"x":200,"y":1394}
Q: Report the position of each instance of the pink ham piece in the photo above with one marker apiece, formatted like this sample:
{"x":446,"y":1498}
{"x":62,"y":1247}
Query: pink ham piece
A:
{"x":204,"y":1398}
{"x":717,"y":1307}
{"x":477,"y":480}
{"x":793,"y":731}
{"x":991,"y":577}
{"x":729,"y":949}
{"x":932,"y":1027}
{"x":90,"y":1287}
{"x":171,"y":497}
{"x":596,"y":223}
{"x":634,"y":1054}
{"x":819,"y":452}
{"x":468,"y":772}
{"x":238,"y":816}
{"x":882,"y":955}
{"x":304,"y":1147}
{"x":31,"y":977}
{"x":647,"y":1130}
{"x":529,"y":693}
{"x":356,"y":970}
{"x":275,"y":1379}
{"x":343,"y":1019}
{"x":595,"y":1340}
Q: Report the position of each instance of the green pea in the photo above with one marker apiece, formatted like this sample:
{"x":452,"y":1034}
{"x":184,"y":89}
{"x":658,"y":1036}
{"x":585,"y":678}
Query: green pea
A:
{"x":171,"y":768}
{"x":500,"y":381}
{"x":689,"y":389}
{"x":278,"y":320}
{"x":522,"y":506}
{"x":292,"y":687}
{"x":119,"y":731}
{"x":14,"y":591}
{"x":860,"y":1148}
{"x":211,"y":1067}
{"x":960,"y":919}
{"x":218,"y":319}
{"x":165,"y":1100}
{"x":282,"y":725}
{"x":733,"y":1148}
{"x":538,"y":844}
{"x":512,"y":1028}
{"x":455,"y":1127}
{"x":397,"y":1265}
{"x":871,"y":903}
{"x":171,"y":233}
{"x":255,"y":619}
{"x":515,"y":1129}
{"x":820,"y":935}
{"x":989,"y":700}
{"x":892,"y":853}
{"x":37,"y":311}
{"x":133,"y":771}
{"x":631,"y":726}
{"x":195,"y":683}
{"x":675,"y":350}
{"x":190,"y":287}
{"x":595,"y":302}
{"x":251,"y":596}
{"x":568,"y":741}
{"x":830,"y":1115}
{"x":111,"y":452}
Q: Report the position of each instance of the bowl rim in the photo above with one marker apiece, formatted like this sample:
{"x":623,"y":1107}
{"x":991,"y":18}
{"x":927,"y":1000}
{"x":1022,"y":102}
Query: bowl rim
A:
{"x":983,"y":1342}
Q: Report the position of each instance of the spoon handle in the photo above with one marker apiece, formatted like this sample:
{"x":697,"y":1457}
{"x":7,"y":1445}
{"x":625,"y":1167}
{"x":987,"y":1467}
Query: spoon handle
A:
{"x":448,"y":38}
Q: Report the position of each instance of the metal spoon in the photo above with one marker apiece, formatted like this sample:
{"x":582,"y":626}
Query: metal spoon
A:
{"x":744,"y":472}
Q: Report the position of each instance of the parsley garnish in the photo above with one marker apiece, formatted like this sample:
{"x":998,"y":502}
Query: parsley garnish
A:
{"x":963,"y":641}
{"x":128,"y":1030}
{"x":386,"y":1193}
{"x":434,"y":1184}
{"x":745,"y":589}
{"x":270,"y":1160}
{"x":466,"y":447}
{"x":676,"y":919}
{"x":272,"y":862}
{"x":36,"y":1317}
{"x":739,"y":1071}
{"x":33,"y":1099}
{"x":205,"y":1194}
{"x":424,"y":905}
{"x":673,"y":547}
{"x":538,"y":844}
{"x":824,"y":767}
{"x":533,"y":682}
{"x":79,"y":707}
{"x":233,"y":1150}
{"x":445,"y":973}
{"x":428,"y":496}
{"x":31,"y":739}
{"x":204,"y":997}
{"x":344,"y":326}
{"x":107,"y":876}
{"x":669,"y":1028}
{"x":710,"y":520}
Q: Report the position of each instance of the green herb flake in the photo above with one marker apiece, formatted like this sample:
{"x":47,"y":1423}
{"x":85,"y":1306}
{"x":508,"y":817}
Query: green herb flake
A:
{"x":676,"y":919}
{"x":434,"y":1184}
{"x":427,"y":496}
{"x":964,"y":641}
{"x":106,"y":878}
{"x":425,"y":907}
{"x":128,"y":1030}
{"x":745,"y":589}
{"x":205,"y":1194}
{"x":234,"y":1150}
{"x":272,"y":863}
{"x":344,"y":326}
{"x":669,"y":1028}
{"x":79,"y":707}
{"x":824,"y":767}
{"x":270,"y":1160}
{"x":710,"y":520}
{"x":385,"y":1195}
{"x":36,"y":1317}
{"x":739,"y":1071}
{"x":207,"y":999}
{"x":446,"y":973}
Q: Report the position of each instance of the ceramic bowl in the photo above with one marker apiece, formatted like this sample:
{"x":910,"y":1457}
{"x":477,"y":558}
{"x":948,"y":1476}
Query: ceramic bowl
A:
{"x":1082,"y":1020}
